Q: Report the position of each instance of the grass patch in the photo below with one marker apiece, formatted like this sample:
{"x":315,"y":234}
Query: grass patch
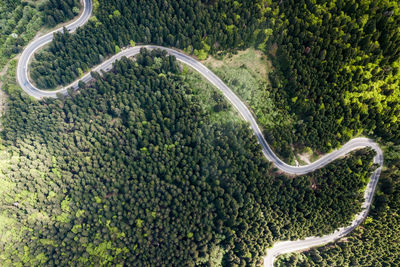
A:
{"x":246,"y":73}
{"x":255,"y":61}
{"x":211,"y":99}
{"x":305,"y":155}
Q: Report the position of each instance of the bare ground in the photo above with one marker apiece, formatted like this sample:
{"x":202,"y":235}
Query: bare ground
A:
{"x":306,"y":157}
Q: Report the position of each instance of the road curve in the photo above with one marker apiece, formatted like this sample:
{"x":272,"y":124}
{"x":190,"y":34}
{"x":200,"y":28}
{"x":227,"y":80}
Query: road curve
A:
{"x":279,"y":247}
{"x":22,"y":68}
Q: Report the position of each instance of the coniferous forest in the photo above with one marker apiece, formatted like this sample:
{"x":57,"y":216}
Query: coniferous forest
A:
{"x":133,"y":171}
{"x":337,"y":62}
{"x":338,"y":70}
{"x":56,"y":11}
{"x":20,"y":20}
{"x":376,"y":242}
{"x":217,"y":26}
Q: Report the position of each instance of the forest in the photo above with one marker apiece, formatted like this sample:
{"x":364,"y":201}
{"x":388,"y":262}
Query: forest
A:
{"x":338,"y":66}
{"x":18,"y":24}
{"x":20,"y":21}
{"x":204,"y":194}
{"x":337,"y":70}
{"x":354,"y":47}
{"x":376,"y":242}
{"x":56,"y":11}
{"x":132,"y":171}
{"x":219,"y":26}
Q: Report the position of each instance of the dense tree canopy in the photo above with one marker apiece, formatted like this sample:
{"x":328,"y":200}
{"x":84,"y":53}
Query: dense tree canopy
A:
{"x":20,"y":20}
{"x":337,"y":63}
{"x":338,"y":70}
{"x":376,"y":242}
{"x":131,"y":170}
{"x":56,"y":11}
{"x":200,"y":27}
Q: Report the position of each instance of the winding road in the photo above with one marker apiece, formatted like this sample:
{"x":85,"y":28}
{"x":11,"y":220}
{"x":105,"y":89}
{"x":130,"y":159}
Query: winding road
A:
{"x":278,"y":248}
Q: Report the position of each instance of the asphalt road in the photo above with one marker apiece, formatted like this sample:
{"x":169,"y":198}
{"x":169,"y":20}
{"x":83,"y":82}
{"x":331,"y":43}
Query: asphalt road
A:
{"x":279,"y":247}
{"x":22,"y":68}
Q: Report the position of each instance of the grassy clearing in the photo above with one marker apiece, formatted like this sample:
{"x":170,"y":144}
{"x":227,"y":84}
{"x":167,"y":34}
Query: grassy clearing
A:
{"x":211,"y":99}
{"x":306,"y":155}
{"x":253,"y":60}
{"x":246,"y":73}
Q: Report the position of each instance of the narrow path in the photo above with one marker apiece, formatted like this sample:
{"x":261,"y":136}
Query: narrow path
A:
{"x":279,"y":247}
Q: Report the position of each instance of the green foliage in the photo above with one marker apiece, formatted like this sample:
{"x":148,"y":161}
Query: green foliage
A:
{"x":117,"y":49}
{"x":56,"y":11}
{"x":123,"y":165}
{"x":80,"y":73}
{"x":338,"y":61}
{"x":245,"y":73}
{"x":97,"y":199}
{"x":18,"y":24}
{"x":116,"y":13}
{"x":65,"y":204}
{"x":200,"y":54}
{"x":139,"y":223}
{"x":376,"y":242}
{"x":20,"y":21}
{"x":96,"y":5}
{"x":202,"y":192}
{"x":180,"y":24}
{"x":211,"y":99}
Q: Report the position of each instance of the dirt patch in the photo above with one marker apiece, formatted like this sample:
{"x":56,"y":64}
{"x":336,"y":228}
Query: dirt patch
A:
{"x":273,"y":50}
{"x":314,"y":185}
{"x":306,"y":157}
